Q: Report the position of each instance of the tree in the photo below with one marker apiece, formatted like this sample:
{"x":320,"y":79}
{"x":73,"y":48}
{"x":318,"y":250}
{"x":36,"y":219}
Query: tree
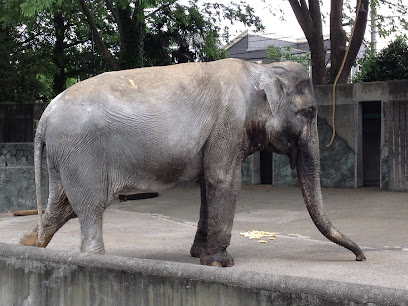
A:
{"x":310,"y":20}
{"x":22,"y":66}
{"x":310,"y":17}
{"x":168,"y":30}
{"x":58,"y":40}
{"x":390,"y":64}
{"x":72,"y":40}
{"x":278,"y":54}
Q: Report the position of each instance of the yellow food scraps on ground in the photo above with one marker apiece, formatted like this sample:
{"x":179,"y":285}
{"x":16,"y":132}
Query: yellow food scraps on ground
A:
{"x":258,"y":235}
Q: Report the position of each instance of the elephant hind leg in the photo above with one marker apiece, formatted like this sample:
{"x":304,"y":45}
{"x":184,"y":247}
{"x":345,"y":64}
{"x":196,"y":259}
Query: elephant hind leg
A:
{"x":58,"y":212}
{"x":200,"y":240}
{"x":91,"y":228}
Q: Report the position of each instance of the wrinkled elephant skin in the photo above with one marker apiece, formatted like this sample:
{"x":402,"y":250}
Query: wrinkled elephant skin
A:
{"x":150,"y":129}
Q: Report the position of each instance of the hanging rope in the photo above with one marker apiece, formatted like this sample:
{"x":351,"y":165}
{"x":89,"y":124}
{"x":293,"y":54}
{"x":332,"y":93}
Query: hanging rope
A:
{"x":338,"y":76}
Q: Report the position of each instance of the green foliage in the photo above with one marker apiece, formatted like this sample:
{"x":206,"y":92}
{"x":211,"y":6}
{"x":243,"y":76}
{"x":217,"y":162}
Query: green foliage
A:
{"x":48,"y":45}
{"x":211,"y":50}
{"x":391,"y":21}
{"x":22,"y":70}
{"x":395,"y":20}
{"x":277,"y":54}
{"x":390,"y":64}
{"x":30,"y":8}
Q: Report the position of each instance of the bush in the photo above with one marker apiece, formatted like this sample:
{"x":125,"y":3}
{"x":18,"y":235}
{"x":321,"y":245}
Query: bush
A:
{"x":390,"y":64}
{"x":277,"y":54}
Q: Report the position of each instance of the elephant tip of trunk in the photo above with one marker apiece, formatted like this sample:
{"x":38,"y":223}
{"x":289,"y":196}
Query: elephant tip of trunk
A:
{"x":360,"y":257}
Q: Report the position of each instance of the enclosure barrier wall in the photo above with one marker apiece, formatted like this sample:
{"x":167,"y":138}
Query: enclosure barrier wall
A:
{"x":33,"y":276}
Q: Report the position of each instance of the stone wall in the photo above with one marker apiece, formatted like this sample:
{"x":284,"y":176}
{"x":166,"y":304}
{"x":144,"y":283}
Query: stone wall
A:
{"x":342,"y":163}
{"x":246,"y":171}
{"x":337,"y":163}
{"x":16,"y":154}
{"x":17,"y":184}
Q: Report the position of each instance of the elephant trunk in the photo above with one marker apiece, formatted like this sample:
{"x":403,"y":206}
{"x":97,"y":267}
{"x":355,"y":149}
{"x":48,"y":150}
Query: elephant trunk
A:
{"x":308,"y":171}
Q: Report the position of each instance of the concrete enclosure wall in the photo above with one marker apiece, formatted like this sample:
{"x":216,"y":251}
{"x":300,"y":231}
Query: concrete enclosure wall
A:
{"x":34,"y":276}
{"x":17,"y":121}
{"x":357,"y":149}
{"x":394,"y":156}
{"x":17,"y":185}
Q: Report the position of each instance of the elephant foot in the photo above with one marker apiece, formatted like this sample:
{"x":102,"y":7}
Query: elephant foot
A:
{"x":94,"y":249}
{"x":220,"y":259}
{"x":198,"y":248}
{"x":31,"y":239}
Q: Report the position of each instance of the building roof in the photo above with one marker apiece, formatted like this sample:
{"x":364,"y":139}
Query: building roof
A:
{"x":252,"y":46}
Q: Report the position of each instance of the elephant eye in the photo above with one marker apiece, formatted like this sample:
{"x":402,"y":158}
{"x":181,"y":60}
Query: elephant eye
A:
{"x":308,"y":113}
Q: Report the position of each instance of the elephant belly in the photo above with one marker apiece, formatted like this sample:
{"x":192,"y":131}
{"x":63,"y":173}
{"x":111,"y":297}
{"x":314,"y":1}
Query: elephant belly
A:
{"x":159,"y":176}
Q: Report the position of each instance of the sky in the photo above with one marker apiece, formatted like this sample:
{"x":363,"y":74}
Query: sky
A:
{"x":288,"y":28}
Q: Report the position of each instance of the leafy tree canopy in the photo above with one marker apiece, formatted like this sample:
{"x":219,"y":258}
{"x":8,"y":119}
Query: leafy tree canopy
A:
{"x":343,"y":12}
{"x":278,"y":54}
{"x":390,"y":64}
{"x":65,"y":41}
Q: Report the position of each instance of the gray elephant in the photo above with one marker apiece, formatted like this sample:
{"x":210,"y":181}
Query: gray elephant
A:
{"x":150,"y":129}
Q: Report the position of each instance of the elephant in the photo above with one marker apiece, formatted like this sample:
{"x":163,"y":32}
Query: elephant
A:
{"x":150,"y":129}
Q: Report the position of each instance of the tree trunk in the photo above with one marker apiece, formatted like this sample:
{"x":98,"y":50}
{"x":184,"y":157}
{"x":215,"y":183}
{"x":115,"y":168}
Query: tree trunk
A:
{"x":310,"y":20}
{"x":60,"y":78}
{"x":105,"y":52}
{"x":318,"y":57}
{"x":357,"y":41}
{"x":337,"y":38}
{"x":132,"y":36}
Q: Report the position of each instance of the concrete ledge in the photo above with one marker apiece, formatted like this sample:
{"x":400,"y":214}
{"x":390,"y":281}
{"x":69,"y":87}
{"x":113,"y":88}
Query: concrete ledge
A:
{"x":32,"y":276}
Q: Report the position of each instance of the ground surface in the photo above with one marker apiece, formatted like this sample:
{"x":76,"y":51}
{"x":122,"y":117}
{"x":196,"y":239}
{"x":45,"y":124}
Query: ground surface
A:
{"x":163,"y":228}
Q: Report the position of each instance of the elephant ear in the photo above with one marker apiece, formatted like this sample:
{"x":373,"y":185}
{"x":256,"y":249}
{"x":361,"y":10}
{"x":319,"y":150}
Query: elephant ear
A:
{"x":271,"y":84}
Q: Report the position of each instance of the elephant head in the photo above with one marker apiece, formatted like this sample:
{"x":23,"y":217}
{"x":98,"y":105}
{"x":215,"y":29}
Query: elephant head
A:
{"x":291,"y":129}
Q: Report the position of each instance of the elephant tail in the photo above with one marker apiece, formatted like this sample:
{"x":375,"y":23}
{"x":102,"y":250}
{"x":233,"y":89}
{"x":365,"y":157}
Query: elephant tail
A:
{"x":39,"y":144}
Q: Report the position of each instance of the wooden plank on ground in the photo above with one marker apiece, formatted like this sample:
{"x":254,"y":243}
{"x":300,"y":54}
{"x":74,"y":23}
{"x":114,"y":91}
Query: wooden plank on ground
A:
{"x":27,"y":212}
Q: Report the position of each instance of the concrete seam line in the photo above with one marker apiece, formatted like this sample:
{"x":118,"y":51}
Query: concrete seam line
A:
{"x":15,"y":254}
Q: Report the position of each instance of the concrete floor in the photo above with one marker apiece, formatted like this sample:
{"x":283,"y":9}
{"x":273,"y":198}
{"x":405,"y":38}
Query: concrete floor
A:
{"x":163,"y":228}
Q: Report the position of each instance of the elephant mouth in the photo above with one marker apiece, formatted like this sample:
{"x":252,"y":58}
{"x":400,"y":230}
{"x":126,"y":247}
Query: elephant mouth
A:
{"x":293,"y":154}
{"x":291,"y":151}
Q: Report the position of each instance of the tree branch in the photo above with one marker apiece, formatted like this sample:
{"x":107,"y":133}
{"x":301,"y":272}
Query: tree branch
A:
{"x":309,"y":20}
{"x":395,"y":5}
{"x":105,"y":52}
{"x":109,"y":6}
{"x":165,"y":5}
{"x":302,"y":15}
{"x":74,"y":43}
{"x":357,"y":41}
{"x":314,"y":9}
{"x":337,"y":37}
{"x":116,"y":19}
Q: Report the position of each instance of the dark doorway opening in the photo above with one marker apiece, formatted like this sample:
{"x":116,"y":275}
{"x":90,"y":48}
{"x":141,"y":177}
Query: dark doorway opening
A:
{"x":371,"y":112}
{"x":266,"y":167}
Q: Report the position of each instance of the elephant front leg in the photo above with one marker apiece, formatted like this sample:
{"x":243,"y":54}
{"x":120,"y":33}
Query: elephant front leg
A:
{"x":200,"y":240}
{"x":221,"y":193}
